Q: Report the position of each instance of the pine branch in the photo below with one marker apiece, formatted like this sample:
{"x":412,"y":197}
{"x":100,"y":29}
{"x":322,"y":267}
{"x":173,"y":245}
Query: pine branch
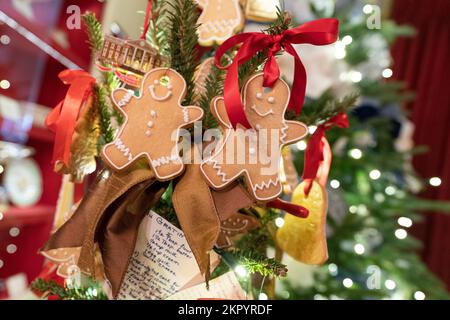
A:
{"x":183,"y":39}
{"x":51,"y":288}
{"x":94,"y":32}
{"x":96,"y":41}
{"x":253,"y":262}
{"x":214,"y":87}
{"x":264,"y":266}
{"x":106,"y":130}
{"x":317,"y":112}
{"x":157,"y":35}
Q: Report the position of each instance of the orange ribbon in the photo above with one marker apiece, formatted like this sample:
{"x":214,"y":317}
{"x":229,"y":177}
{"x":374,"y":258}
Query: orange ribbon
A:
{"x":62,"y":119}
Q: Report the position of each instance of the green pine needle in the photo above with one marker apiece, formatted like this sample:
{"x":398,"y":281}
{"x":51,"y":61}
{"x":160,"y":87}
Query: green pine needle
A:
{"x":183,"y":40}
{"x":106,"y":130}
{"x":157,"y":34}
{"x":94,"y":32}
{"x":214,"y":87}
{"x":317,"y":112}
{"x":51,"y":288}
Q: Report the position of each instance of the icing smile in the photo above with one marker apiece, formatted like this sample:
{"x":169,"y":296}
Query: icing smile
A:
{"x":153,"y":93}
{"x":261,"y":114}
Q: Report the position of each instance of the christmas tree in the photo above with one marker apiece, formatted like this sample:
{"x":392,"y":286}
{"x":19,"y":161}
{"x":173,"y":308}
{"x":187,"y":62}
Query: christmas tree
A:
{"x":372,"y":187}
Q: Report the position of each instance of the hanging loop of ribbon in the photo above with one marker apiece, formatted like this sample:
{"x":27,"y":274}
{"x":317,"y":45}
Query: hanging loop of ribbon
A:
{"x":148,"y":12}
{"x":62,"y":119}
{"x":318,"y":32}
{"x":318,"y":152}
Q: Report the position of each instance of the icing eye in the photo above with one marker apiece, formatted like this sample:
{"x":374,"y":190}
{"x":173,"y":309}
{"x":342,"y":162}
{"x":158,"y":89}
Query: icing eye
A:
{"x":155,"y":82}
{"x":165,"y":81}
{"x":271,"y":100}
{"x":259,"y":96}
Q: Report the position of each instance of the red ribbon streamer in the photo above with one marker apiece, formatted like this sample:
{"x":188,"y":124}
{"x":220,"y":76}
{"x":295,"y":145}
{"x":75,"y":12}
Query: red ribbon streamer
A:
{"x":62,"y":119}
{"x":292,"y":208}
{"x":148,"y":11}
{"x":318,"y":32}
{"x":318,"y":153}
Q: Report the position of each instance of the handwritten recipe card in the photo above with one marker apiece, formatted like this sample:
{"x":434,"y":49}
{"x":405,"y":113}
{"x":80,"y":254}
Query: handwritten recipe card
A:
{"x":162,"y":262}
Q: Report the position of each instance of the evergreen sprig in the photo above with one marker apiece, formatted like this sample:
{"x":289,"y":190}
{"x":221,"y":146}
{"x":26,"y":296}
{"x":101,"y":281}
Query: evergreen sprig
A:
{"x":157,"y":34}
{"x":51,"y":288}
{"x":106,"y":129}
{"x":213,"y":88}
{"x":253,"y":262}
{"x":183,"y":39}
{"x":319,"y":111}
{"x":110,"y":82}
{"x":94,"y":32}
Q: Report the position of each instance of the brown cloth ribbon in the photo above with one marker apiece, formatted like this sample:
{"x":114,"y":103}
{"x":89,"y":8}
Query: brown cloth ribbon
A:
{"x":200,"y":210}
{"x":110,"y":215}
{"x":116,"y":203}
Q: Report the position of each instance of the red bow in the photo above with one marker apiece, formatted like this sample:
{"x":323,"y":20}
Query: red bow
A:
{"x":318,"y":152}
{"x":317,"y":32}
{"x":62,"y":119}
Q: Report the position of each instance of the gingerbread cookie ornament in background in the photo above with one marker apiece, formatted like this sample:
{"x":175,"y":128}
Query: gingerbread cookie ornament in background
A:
{"x":265,"y":110}
{"x":152,"y":124}
{"x":219,"y":20}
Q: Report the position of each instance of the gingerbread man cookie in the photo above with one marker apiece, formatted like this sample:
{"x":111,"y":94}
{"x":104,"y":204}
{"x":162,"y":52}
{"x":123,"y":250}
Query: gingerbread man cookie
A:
{"x":254,"y":153}
{"x":152,"y":124}
{"x":219,"y":20}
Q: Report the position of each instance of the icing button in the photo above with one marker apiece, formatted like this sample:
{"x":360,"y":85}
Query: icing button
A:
{"x":148,"y":133}
{"x":153,"y":113}
{"x":150,"y":124}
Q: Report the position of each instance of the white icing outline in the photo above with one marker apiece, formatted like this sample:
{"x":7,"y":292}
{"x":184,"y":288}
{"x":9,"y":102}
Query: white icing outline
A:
{"x":185,"y":116}
{"x":236,"y":24}
{"x":228,"y":131}
{"x":126,"y":99}
{"x":146,"y":154}
{"x":200,"y":83}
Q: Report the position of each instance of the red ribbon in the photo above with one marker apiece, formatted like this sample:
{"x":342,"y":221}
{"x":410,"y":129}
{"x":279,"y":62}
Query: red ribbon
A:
{"x":148,"y":11}
{"x":318,"y":32}
{"x":318,"y":152}
{"x":289,"y":207}
{"x":62,"y":119}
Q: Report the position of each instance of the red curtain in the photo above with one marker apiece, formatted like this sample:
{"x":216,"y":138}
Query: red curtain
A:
{"x":424,"y":63}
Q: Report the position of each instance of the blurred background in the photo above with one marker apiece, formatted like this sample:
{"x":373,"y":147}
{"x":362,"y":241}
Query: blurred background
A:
{"x":389,"y":233}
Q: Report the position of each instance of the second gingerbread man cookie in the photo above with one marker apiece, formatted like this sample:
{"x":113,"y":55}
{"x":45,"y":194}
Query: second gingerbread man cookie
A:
{"x":254,"y":153}
{"x":152,"y":124}
{"x":219,"y":20}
